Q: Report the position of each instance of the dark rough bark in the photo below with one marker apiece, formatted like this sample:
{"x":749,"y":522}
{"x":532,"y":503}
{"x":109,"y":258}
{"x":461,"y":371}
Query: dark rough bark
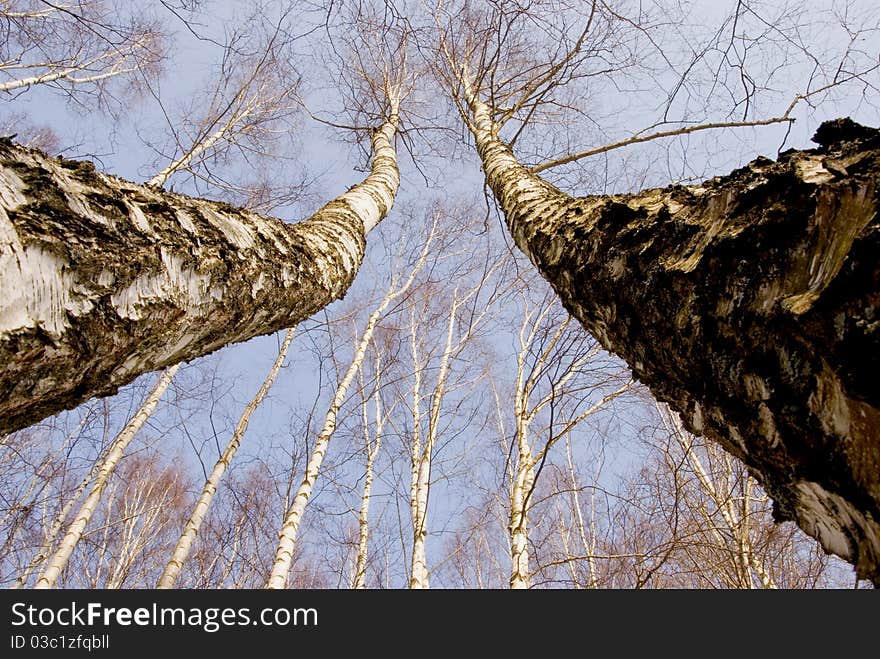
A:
{"x":750,"y":303}
{"x":102,"y":280}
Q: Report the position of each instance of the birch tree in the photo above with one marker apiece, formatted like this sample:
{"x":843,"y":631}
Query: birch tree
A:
{"x":191,"y":529}
{"x":548,"y":353}
{"x":55,"y":565}
{"x":372,"y":443}
{"x":76,"y":49}
{"x":692,"y":517}
{"x":173,"y":297}
{"x":139,"y":515}
{"x":461,"y":318}
{"x":293,"y":516}
{"x":57,"y":525}
{"x":247,"y":113}
{"x":658,"y":276}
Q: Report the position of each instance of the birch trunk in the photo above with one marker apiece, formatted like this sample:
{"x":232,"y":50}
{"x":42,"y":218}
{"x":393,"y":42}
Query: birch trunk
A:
{"x":524,"y":471}
{"x":290,"y":528}
{"x":360,"y":571}
{"x":194,"y":523}
{"x":418,"y":577}
{"x":57,"y":524}
{"x":749,"y":303}
{"x":520,"y":573}
{"x":371,"y":447}
{"x":102,"y":280}
{"x":58,"y":562}
{"x":422,"y":452}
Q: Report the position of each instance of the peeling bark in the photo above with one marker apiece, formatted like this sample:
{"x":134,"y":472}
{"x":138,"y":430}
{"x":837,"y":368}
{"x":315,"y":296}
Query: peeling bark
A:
{"x":102,"y":280}
{"x":749,"y":303}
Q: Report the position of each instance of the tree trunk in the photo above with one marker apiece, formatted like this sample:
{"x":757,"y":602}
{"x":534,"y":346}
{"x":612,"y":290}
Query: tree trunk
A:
{"x":58,"y":562}
{"x":102,"y":280}
{"x":371,"y":449}
{"x":518,"y":524}
{"x":749,"y":303}
{"x":293,"y":517}
{"x":194,"y":523}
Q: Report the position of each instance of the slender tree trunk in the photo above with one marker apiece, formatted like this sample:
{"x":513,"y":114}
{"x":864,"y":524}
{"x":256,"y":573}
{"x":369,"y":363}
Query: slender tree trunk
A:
{"x":58,"y":562}
{"x":196,"y":150}
{"x":371,"y":447}
{"x":524,"y":471}
{"x":57,"y":524}
{"x":194,"y":523}
{"x":293,"y":518}
{"x":423,"y":452}
{"x":102,"y":280}
{"x":518,"y":527}
{"x":748,"y":303}
{"x":588,"y":547}
{"x":418,"y":576}
{"x":360,"y":570}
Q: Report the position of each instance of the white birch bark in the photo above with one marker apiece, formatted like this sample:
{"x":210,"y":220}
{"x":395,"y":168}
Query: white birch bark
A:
{"x":371,"y":449}
{"x":588,"y":546}
{"x":191,"y":529}
{"x":67,"y":75}
{"x":197,"y":149}
{"x":126,"y":279}
{"x":49,"y":575}
{"x":422,"y":452}
{"x":524,"y":470}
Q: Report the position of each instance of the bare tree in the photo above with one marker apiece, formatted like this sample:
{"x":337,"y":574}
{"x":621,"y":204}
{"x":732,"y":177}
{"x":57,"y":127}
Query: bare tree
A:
{"x":245,"y":115}
{"x":293,"y":517}
{"x":372,"y":443}
{"x":548,"y":353}
{"x":461,"y":318}
{"x":480,"y":438}
{"x":56,"y":564}
{"x":786,"y":385}
{"x":57,"y":525}
{"x":693,"y":517}
{"x":191,"y":529}
{"x":76,"y":48}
